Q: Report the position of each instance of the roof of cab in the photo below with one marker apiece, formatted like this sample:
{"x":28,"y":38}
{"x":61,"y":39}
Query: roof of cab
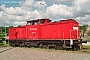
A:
{"x":37,"y":20}
{"x":67,"y":20}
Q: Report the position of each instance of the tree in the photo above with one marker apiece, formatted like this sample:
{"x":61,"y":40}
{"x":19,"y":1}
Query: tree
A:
{"x":2,"y":30}
{"x":83,"y":28}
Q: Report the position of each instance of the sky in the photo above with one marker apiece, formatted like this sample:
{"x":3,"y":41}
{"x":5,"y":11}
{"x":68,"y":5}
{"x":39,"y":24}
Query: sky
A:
{"x":17,"y":12}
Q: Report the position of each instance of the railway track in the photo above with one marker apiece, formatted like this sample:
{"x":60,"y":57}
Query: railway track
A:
{"x":86,"y":44}
{"x":4,"y":49}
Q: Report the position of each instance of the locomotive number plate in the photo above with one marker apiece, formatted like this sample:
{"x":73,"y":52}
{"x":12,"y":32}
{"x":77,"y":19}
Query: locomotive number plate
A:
{"x":33,"y":28}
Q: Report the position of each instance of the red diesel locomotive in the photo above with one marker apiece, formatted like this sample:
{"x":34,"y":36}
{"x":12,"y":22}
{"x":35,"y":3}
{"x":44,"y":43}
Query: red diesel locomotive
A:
{"x":45,"y":34}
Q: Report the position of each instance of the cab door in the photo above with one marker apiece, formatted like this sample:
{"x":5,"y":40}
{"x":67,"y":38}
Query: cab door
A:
{"x":74,"y":34}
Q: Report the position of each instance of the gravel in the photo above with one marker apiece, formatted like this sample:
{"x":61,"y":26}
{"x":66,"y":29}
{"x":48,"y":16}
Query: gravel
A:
{"x":17,"y":53}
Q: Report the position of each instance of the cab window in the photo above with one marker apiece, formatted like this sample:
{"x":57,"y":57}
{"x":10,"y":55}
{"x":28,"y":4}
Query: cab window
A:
{"x":41,"y":21}
{"x":36,"y":23}
{"x":28,"y":23}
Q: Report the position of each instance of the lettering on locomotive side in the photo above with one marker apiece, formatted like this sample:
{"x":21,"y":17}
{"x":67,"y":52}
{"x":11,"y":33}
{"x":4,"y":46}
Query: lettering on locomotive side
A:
{"x":33,"y":28}
{"x":34,"y":32}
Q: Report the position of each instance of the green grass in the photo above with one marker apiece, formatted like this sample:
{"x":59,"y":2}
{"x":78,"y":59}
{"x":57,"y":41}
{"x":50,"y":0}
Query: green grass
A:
{"x":85,"y":49}
{"x":4,"y":44}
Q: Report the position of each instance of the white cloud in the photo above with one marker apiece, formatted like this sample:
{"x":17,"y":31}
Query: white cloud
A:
{"x":27,"y":3}
{"x":81,"y":11}
{"x":84,"y":20}
{"x":14,"y":11}
{"x":60,"y":10}
{"x":33,"y":9}
{"x":40,"y":5}
{"x":81,"y":8}
{"x":59,"y":1}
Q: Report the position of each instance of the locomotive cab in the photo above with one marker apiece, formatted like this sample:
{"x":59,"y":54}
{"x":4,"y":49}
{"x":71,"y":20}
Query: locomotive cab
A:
{"x":32,"y":22}
{"x":44,"y":21}
{"x":38,"y":22}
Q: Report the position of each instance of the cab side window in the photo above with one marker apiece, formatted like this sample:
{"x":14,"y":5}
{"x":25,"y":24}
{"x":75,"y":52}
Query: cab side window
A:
{"x":28,"y":23}
{"x":42,"y":22}
{"x":36,"y":23}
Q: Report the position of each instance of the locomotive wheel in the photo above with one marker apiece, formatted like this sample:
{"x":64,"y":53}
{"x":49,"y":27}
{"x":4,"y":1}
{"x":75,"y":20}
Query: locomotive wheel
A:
{"x":44,"y":46}
{"x":13,"y":45}
{"x":26,"y":44}
{"x":61,"y":47}
{"x":21,"y":45}
{"x":58,"y":47}
{"x":40,"y":45}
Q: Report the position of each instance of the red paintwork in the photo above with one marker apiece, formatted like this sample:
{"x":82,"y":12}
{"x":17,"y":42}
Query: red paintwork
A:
{"x":61,"y":30}
{"x":17,"y":33}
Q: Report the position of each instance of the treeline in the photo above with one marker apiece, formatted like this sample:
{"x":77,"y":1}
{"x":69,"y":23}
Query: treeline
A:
{"x":4,"y":30}
{"x":83,"y":28}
